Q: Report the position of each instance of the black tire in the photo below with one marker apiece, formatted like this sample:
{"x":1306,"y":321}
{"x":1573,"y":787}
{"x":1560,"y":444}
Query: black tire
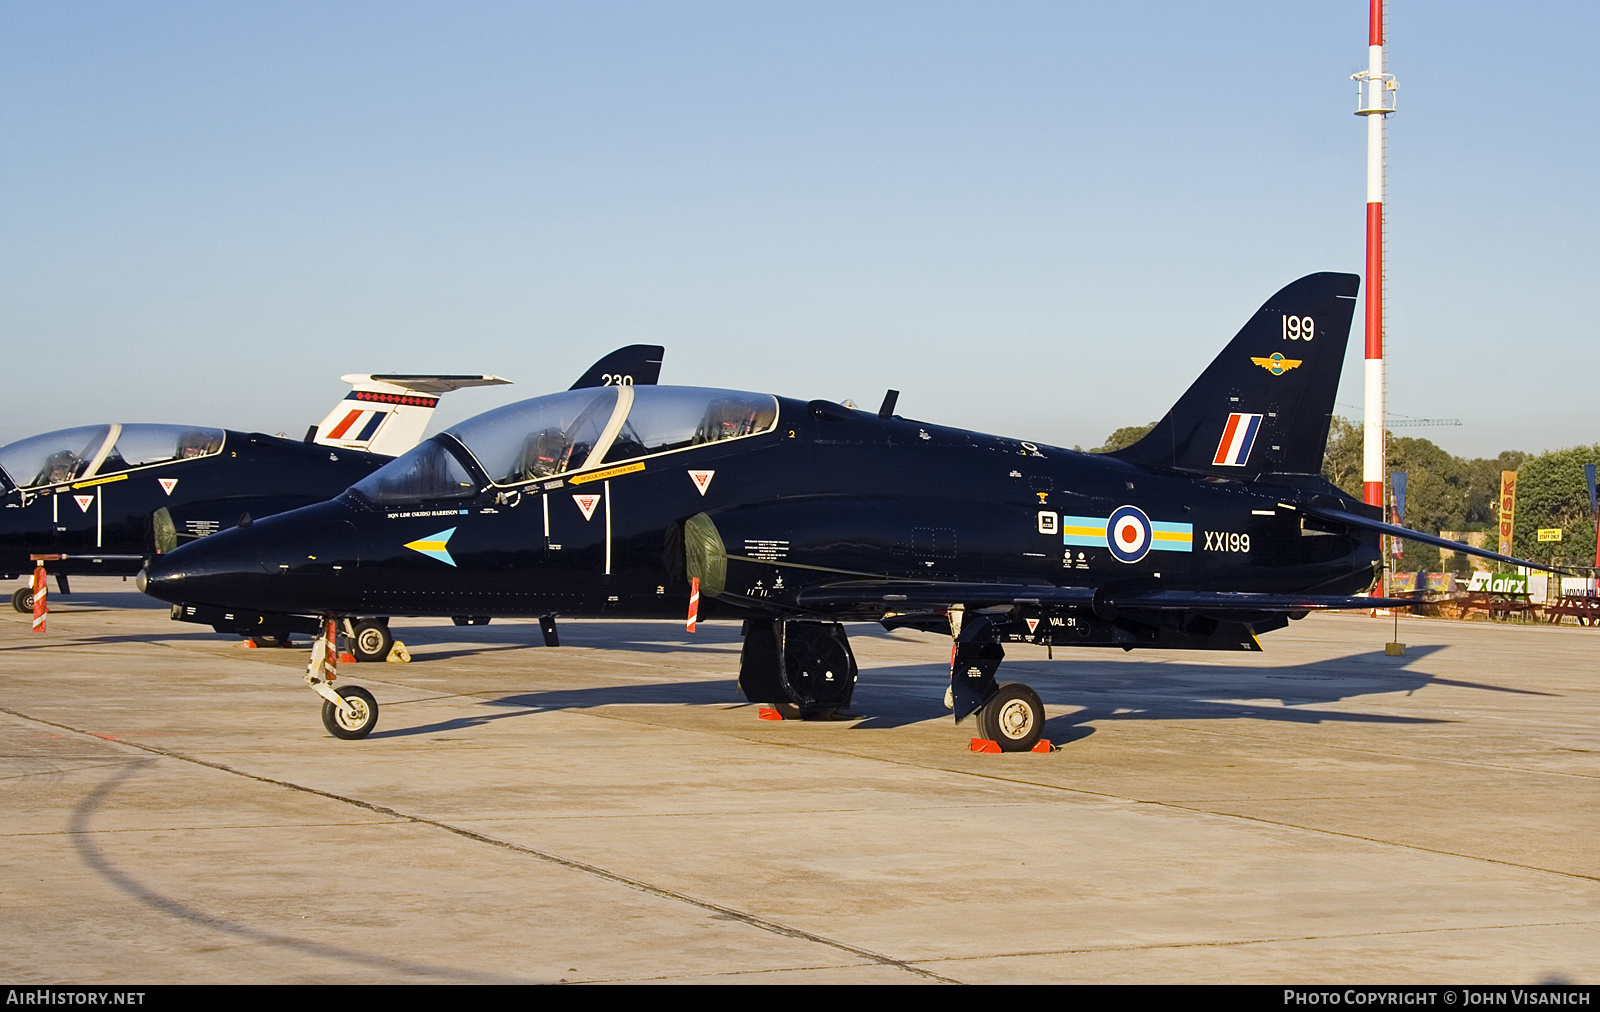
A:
{"x":269,"y":641}
{"x":348,"y":728}
{"x":372,"y":640}
{"x":22,"y":600}
{"x":1013,"y":717}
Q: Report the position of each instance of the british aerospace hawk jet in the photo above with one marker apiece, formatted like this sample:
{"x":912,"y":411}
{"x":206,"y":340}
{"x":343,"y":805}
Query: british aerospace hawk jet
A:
{"x":103,"y":499}
{"x":795,"y":516}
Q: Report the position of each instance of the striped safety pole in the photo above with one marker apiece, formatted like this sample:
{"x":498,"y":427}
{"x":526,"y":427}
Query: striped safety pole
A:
{"x":694,"y":602}
{"x":41,"y":591}
{"x":1375,"y":103}
{"x":1375,"y":100}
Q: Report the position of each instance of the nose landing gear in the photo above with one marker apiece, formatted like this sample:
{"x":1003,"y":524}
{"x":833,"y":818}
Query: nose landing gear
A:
{"x":360,"y":719}
{"x":349,"y":712}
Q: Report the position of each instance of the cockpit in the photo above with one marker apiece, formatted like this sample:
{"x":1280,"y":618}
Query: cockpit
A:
{"x":69,"y":455}
{"x":568,"y":432}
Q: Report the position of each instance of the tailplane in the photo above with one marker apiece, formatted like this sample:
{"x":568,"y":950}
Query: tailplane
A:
{"x":1264,"y":405}
{"x":387,"y":413}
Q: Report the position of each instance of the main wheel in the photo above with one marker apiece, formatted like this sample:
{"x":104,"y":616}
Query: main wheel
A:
{"x":357,"y":724}
{"x":22,"y":600}
{"x":371,"y":641}
{"x":1014,"y":717}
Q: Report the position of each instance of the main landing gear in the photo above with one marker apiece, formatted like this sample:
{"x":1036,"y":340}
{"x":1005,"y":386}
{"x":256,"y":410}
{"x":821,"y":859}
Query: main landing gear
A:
{"x":22,"y":600}
{"x":370,"y":639}
{"x":809,"y":665}
{"x":1011,"y":715}
{"x":348,"y":712}
{"x":803,"y":664}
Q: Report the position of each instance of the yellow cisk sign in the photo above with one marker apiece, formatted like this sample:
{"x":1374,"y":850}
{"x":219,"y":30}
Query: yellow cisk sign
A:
{"x":1508,"y":509}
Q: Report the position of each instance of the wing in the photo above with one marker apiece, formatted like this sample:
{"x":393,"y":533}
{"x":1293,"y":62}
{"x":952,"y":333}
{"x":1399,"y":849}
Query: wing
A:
{"x":1107,"y":601}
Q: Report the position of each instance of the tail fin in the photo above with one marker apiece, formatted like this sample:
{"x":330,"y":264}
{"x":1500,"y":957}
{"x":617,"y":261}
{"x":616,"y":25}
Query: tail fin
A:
{"x":635,"y":365}
{"x":1264,"y":405}
{"x":387,"y":413}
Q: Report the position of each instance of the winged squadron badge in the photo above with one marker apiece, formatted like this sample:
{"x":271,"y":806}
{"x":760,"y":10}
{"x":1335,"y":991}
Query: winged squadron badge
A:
{"x":1277,"y":365}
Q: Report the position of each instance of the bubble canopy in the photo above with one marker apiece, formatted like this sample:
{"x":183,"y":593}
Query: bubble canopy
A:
{"x":68,"y":455}
{"x":567,"y":432}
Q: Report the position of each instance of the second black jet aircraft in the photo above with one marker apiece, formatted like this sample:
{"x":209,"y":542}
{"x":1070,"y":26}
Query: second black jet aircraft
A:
{"x":796,"y":516}
{"x":102,"y":500}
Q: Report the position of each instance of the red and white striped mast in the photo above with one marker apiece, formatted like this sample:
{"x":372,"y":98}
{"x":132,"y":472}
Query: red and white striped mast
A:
{"x":1374,"y":100}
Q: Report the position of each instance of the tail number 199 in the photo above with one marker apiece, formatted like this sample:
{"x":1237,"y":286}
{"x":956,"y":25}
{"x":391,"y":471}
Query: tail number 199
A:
{"x":1299,"y":328}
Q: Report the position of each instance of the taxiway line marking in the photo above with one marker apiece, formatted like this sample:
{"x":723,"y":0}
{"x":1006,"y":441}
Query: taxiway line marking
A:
{"x":1270,"y":940}
{"x":1172,"y":806}
{"x":581,"y":866}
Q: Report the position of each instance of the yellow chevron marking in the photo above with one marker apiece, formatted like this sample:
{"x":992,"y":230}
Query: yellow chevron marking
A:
{"x":610,"y":472}
{"x":98,"y":481}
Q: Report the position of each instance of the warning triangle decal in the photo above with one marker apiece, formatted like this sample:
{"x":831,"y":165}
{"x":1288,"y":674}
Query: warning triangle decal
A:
{"x":168,"y":484}
{"x":1033,"y":624}
{"x":587,"y":503}
{"x":701,"y":479}
{"x":83,"y":501}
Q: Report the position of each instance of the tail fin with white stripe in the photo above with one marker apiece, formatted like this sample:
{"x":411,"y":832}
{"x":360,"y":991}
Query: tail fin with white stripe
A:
{"x":1264,"y":405}
{"x":387,"y":413}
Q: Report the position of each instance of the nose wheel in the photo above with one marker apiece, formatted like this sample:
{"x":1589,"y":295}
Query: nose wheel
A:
{"x":359,"y":721}
{"x":1013,"y":717}
{"x":348,"y":712}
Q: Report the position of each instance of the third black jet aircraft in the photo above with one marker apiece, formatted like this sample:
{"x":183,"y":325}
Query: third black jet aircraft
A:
{"x":795,"y":516}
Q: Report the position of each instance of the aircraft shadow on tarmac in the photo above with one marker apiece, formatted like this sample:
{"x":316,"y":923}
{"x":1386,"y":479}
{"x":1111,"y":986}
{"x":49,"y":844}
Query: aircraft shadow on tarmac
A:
{"x":80,"y":601}
{"x":628,"y":637}
{"x":1102,"y":690}
{"x":57,"y":640}
{"x":524,"y":704}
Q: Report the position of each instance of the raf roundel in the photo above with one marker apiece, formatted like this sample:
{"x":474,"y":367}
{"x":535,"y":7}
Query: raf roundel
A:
{"x":1128,"y":534}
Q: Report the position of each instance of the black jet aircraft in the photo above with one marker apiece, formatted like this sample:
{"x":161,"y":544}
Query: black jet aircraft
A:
{"x":795,"y":516}
{"x":104,"y":499}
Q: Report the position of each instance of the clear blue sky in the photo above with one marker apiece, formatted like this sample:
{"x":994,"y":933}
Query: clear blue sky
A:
{"x":1037,"y":219}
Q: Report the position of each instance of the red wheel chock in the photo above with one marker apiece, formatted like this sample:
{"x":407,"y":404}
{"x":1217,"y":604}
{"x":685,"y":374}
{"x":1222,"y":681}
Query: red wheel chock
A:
{"x":986,"y":746}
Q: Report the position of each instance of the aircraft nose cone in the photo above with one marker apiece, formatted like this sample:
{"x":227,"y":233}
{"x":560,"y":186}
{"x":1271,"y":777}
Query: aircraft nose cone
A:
{"x":285,"y":563}
{"x":141,"y":581}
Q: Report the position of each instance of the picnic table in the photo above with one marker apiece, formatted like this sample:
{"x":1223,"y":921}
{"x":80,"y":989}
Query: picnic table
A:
{"x":1585,"y":609}
{"x":1497,"y":605}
